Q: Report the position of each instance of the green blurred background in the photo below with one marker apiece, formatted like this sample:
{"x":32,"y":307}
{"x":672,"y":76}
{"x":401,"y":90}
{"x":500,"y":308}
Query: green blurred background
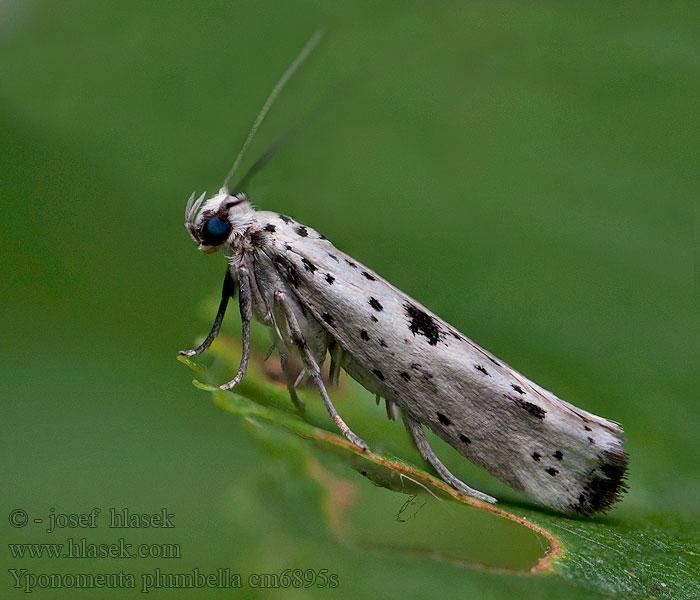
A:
{"x":526,"y":170}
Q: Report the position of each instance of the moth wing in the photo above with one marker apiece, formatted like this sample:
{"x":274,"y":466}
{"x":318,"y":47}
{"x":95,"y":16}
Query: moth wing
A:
{"x":558,"y":454}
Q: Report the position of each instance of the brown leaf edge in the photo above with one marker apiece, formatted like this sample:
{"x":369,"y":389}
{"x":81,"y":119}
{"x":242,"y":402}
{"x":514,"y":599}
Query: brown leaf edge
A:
{"x":240,"y":405}
{"x":544,"y":563}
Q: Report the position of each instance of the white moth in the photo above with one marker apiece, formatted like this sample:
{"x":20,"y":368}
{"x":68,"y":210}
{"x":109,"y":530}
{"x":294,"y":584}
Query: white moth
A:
{"x":318,"y":301}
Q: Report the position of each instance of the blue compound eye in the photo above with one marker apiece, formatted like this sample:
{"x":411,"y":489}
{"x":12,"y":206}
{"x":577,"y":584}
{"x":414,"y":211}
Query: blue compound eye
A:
{"x":216,"y":231}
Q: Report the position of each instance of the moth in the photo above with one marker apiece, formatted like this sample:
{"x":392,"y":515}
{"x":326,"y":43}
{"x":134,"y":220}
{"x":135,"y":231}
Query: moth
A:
{"x":319,"y":302}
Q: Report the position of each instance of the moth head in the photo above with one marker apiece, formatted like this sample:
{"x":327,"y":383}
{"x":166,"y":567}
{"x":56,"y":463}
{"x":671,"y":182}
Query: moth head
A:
{"x":218,"y":221}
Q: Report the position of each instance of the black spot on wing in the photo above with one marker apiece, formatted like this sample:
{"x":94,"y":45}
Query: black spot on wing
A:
{"x":308,"y":265}
{"x":374,"y":319}
{"x":364,"y":335}
{"x":257,"y":238}
{"x":330,"y":279}
{"x":328,"y":318}
{"x":443,"y":419}
{"x":270,"y":227}
{"x":288,"y":270}
{"x":287,"y":220}
{"x":420,"y":322}
{"x":352,"y":264}
{"x":334,"y":257}
{"x":464,"y":439}
{"x":405,"y":376}
{"x":552,"y":471}
{"x":612,"y":471}
{"x":378,"y":374}
{"x":368,"y":276}
{"x":604,"y":486}
{"x":302,"y":231}
{"x":587,"y":428}
{"x":518,"y":389}
{"x":481,"y":369}
{"x":374,"y":303}
{"x":536,"y":456}
{"x":558,"y":455}
{"x":533,"y":409}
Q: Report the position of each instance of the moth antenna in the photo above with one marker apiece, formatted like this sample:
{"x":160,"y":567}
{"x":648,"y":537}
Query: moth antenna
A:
{"x":298,"y":61}
{"x":281,"y":142}
{"x":261,"y":162}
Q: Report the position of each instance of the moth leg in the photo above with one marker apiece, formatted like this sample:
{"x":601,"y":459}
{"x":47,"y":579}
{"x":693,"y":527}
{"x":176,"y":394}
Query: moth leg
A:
{"x":288,"y":375}
{"x":244,"y":299}
{"x":301,"y":378}
{"x":334,"y":371}
{"x":418,"y":435}
{"x":227,"y":291}
{"x":313,"y":369}
{"x":391,"y":409}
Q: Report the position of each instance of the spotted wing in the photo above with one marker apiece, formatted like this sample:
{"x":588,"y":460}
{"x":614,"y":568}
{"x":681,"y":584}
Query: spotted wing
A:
{"x":559,"y":455}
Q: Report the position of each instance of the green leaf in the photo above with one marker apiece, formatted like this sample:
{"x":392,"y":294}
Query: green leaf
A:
{"x":652,"y":556}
